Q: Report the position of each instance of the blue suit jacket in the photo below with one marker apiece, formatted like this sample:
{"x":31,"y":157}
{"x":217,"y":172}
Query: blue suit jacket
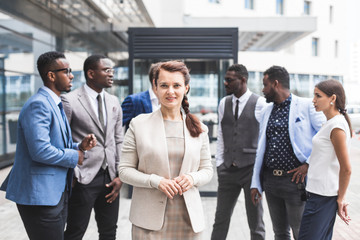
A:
{"x":134,"y":105}
{"x":43,"y":154}
{"x":304,"y":123}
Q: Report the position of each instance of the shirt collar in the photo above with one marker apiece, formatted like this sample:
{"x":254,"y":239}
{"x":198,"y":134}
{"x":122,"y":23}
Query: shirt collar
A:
{"x":243,"y":97}
{"x":152,"y":94}
{"x":92,"y":93}
{"x":285,"y":103}
{"x":53,"y":95}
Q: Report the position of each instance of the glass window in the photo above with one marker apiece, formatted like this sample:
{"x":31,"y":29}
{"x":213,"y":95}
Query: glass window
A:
{"x":307,"y":9}
{"x":303,"y":88}
{"x":141,"y":80}
{"x":319,"y":78}
{"x":280,"y":7}
{"x":255,"y":82}
{"x":249,"y":4}
{"x":21,"y":44}
{"x":339,"y":78}
{"x":293,"y":84}
{"x":315,"y":47}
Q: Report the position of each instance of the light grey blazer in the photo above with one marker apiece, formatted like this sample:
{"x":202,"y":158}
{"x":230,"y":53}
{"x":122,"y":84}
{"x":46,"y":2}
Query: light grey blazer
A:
{"x":304,"y":123}
{"x":144,"y":162}
{"x":83,"y":121}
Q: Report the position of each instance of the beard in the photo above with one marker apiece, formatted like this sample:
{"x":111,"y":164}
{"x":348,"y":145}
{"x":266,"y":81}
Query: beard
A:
{"x":270,"y":97}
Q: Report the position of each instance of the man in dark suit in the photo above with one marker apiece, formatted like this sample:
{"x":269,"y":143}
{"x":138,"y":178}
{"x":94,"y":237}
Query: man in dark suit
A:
{"x":143,"y":102}
{"x":97,"y":185}
{"x":40,"y":180}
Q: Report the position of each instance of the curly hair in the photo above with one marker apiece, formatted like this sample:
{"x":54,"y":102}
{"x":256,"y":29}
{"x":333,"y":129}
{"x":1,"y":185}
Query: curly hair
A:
{"x":46,"y":62}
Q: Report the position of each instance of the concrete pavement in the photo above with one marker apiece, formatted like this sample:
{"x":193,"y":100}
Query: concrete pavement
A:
{"x":11,"y":227}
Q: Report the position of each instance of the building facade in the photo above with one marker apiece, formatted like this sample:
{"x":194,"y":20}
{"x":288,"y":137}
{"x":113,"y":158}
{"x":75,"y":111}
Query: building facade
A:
{"x":306,"y":37}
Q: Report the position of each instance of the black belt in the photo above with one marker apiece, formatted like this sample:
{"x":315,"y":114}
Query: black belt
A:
{"x":277,"y":172}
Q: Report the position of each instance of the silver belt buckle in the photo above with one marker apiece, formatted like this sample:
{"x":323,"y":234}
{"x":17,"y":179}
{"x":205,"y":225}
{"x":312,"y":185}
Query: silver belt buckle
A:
{"x":278,"y":173}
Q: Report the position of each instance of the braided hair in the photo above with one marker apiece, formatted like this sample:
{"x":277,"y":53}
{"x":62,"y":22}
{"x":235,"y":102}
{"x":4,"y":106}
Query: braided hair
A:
{"x":192,"y":122}
{"x":331,"y":87}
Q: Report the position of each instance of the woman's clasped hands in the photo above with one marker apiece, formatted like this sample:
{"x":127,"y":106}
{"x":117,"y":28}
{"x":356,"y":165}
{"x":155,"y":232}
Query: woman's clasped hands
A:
{"x":178,"y":185}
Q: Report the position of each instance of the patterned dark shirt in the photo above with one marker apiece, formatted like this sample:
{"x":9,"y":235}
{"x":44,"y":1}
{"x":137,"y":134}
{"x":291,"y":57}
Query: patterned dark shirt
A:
{"x":279,"y":153}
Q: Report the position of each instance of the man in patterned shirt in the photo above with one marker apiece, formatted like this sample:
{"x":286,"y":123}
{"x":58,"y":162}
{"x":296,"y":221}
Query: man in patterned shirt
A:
{"x":286,"y":130}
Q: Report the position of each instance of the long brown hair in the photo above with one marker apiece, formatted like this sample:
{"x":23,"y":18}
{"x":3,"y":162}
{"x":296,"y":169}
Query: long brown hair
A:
{"x":192,"y":122}
{"x":330,"y":87}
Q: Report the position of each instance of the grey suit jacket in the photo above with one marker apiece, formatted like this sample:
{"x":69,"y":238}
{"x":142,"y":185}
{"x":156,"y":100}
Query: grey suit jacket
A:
{"x":144,"y":162}
{"x":83,"y":121}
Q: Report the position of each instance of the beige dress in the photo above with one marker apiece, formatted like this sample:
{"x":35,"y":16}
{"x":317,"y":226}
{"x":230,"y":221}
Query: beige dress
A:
{"x":177,"y":222}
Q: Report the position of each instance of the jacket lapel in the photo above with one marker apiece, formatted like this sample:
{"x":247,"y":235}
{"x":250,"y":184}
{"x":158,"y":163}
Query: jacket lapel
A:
{"x":267,"y":115}
{"x":146,"y":102}
{"x":56,"y":109}
{"x":293,"y":107}
{"x":110,"y":109}
{"x":85,"y":102}
{"x":189,"y":142}
{"x":161,"y":144}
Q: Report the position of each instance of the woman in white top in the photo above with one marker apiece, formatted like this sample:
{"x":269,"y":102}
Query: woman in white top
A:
{"x":329,"y":165}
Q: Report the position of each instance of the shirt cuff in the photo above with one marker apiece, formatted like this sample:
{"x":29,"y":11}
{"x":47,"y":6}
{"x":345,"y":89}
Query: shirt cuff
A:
{"x":76,"y":146}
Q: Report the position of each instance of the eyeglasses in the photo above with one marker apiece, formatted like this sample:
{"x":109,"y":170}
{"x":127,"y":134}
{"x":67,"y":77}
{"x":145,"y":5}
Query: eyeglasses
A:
{"x":229,"y":80}
{"x":68,"y":70}
{"x":107,"y":70}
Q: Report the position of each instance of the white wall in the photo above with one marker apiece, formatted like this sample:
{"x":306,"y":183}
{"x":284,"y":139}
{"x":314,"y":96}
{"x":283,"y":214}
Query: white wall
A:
{"x":297,"y":58}
{"x":166,"y":13}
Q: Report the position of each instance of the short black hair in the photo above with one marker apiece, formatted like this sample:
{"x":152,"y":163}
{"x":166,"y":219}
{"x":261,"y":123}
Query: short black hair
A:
{"x":46,"y":62}
{"x":240,"y":70}
{"x":91,"y":63}
{"x":280,"y":74}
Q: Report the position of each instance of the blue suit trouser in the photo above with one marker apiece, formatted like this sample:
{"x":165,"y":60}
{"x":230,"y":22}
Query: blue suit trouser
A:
{"x":319,"y":217}
{"x":45,"y":222}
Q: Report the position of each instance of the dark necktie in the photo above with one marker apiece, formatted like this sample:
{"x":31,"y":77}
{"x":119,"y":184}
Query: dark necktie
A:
{"x":236,"y":109}
{"x":70,"y":172}
{"x":100,"y":111}
{"x":63,"y":117}
{"x":101,"y":119}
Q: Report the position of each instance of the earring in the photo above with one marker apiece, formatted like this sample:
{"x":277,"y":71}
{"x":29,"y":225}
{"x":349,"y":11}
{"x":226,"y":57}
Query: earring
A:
{"x":331,"y":103}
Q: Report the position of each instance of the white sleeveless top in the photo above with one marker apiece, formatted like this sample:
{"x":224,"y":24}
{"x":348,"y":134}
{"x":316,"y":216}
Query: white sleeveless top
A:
{"x":323,"y":173}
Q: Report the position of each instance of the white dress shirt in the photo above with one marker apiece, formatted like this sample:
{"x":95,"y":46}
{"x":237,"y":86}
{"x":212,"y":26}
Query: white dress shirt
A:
{"x":53,"y":95}
{"x":154,"y":100}
{"x":261,"y":102}
{"x":92,"y":94}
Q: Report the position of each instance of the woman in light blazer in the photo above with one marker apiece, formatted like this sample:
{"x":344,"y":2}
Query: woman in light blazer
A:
{"x":166,"y":157}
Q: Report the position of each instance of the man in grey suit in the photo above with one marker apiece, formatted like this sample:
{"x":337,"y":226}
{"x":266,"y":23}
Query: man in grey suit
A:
{"x":239,"y":115}
{"x":97,"y":185}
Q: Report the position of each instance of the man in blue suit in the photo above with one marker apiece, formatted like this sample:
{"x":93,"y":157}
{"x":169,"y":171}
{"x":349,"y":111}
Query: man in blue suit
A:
{"x":40,"y":180}
{"x":143,"y":102}
{"x":286,"y":130}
